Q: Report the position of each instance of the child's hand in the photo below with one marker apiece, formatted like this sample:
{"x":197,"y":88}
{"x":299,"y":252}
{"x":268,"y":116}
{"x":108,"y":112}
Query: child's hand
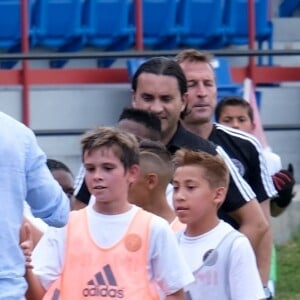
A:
{"x":26,"y":243}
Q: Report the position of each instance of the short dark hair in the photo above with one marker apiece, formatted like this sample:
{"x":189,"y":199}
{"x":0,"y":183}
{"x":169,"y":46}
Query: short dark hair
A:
{"x":156,"y":147}
{"x":158,"y":152}
{"x":54,"y":164}
{"x":161,"y":66}
{"x":148,"y":119}
{"x":233,"y":101}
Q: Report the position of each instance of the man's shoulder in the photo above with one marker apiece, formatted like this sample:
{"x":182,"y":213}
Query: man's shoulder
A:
{"x":186,"y":139}
{"x":14,"y":128}
{"x":234,"y":136}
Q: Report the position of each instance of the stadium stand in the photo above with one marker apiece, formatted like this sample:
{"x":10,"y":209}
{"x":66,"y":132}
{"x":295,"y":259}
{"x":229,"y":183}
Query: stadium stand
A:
{"x":133,"y":64}
{"x":107,"y":26}
{"x":57,"y":25}
{"x":201,"y":24}
{"x":288,"y":7}
{"x":160,"y":30}
{"x":70,"y":25}
{"x":10,"y":34}
{"x":236,"y":21}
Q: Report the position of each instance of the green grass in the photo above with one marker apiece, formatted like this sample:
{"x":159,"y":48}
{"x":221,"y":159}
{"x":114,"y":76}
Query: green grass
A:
{"x":288,"y":270}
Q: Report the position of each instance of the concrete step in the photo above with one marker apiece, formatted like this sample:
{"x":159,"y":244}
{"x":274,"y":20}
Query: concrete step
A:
{"x":286,"y":29}
{"x":280,"y":104}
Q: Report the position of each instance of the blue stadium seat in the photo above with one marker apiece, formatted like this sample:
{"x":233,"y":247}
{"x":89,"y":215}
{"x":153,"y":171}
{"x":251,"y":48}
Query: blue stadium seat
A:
{"x":58,"y":26}
{"x":288,"y":7}
{"x":160,"y":30}
{"x":107,"y":26}
{"x":133,"y":64}
{"x":225,"y":84}
{"x":236,"y":20}
{"x":10,"y":24}
{"x":201,"y":23}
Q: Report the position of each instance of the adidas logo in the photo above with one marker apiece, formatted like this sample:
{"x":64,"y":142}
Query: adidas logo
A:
{"x":103,"y":284}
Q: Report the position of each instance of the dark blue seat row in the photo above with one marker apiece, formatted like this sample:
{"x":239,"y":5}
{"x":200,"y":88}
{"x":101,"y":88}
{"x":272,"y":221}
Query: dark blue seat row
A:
{"x":208,"y":24}
{"x":70,"y":25}
{"x":288,"y":7}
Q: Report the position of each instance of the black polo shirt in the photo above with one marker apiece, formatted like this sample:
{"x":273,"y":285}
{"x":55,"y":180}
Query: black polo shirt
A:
{"x":186,"y":139}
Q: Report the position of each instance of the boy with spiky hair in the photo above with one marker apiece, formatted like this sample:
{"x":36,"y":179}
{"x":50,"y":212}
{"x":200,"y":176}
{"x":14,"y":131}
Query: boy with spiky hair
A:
{"x":221,"y":258}
{"x":149,"y":189}
{"x":120,"y":250}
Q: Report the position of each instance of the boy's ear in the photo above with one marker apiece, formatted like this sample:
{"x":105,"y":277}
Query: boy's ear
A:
{"x":133,"y":102}
{"x":220,"y":194}
{"x":151,"y":180}
{"x":133,"y":173}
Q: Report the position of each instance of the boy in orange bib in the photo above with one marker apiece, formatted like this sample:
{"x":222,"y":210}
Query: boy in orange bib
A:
{"x":120,"y":250}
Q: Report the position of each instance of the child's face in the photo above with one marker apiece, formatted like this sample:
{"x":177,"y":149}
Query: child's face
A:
{"x":193,"y":198}
{"x":107,"y":179}
{"x":236,"y":117}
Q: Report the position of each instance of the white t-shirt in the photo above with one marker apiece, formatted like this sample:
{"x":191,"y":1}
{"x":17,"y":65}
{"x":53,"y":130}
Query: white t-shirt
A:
{"x":166,"y":264}
{"x":244,"y":279}
{"x":273,"y":161}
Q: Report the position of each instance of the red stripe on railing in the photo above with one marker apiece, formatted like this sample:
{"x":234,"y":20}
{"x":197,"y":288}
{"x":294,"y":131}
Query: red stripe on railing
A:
{"x":25,"y":64}
{"x":139,"y":21}
{"x":252,"y":33}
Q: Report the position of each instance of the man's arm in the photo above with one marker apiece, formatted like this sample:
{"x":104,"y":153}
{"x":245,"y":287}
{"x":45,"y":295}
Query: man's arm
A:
{"x":242,"y":206}
{"x":44,"y":195}
{"x":252,"y":222}
{"x":250,"y":217}
{"x":264,"y":249}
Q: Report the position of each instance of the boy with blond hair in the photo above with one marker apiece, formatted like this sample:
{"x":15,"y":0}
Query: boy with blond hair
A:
{"x":120,"y":250}
{"x":221,"y":258}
